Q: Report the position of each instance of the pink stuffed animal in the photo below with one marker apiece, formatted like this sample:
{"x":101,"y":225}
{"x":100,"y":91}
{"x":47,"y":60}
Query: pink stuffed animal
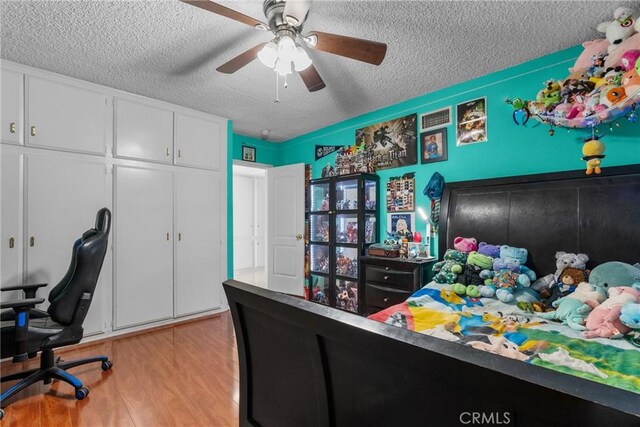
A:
{"x":591,"y":48}
{"x":615,"y":58}
{"x":629,"y":59}
{"x":588,"y":294}
{"x":465,"y":244}
{"x":604,"y":320}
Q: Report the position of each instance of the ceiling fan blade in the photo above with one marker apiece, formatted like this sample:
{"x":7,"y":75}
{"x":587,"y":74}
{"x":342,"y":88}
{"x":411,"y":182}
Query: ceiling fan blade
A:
{"x":350,"y":47}
{"x":241,"y":60}
{"x":229,"y":13}
{"x":312,"y":79}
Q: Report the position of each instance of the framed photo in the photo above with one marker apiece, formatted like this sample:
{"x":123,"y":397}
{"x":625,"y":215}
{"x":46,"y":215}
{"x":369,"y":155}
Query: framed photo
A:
{"x":435,"y":119}
{"x":471,"y":122}
{"x":400,"y":223}
{"x":248,"y":153}
{"x":434,"y":146}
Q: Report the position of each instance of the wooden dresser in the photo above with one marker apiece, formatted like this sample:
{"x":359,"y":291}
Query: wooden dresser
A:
{"x":389,"y":281}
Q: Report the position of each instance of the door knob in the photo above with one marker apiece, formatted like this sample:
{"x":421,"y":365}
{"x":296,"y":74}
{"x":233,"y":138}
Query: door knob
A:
{"x":298,"y":236}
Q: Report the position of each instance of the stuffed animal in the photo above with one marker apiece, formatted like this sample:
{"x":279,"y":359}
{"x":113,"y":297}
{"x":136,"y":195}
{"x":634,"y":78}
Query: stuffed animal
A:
{"x":565,"y":260}
{"x":630,"y":315}
{"x":620,"y":29}
{"x":615,"y":273}
{"x":489,"y":250}
{"x":615,"y":58}
{"x":604,"y":320}
{"x":448,"y":269}
{"x":574,"y":308}
{"x":630,"y":59}
{"x":521,"y":254}
{"x":502,"y":283}
{"x":465,"y":244}
{"x":592,"y":48}
{"x":469,"y":281}
{"x":612,"y":96}
{"x":631,"y":82}
{"x":593,"y":153}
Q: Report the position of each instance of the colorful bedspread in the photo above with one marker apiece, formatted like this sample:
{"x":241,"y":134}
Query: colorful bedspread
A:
{"x":504,"y":329}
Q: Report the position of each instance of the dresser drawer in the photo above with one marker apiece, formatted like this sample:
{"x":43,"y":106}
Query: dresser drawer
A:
{"x":396,"y":278}
{"x":381,"y":297}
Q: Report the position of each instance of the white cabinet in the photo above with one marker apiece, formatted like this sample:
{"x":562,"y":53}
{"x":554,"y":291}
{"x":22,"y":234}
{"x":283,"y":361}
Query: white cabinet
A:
{"x":12,"y":106}
{"x":63,"y":197}
{"x":198,"y":243}
{"x":65,"y":117}
{"x":142,"y":131}
{"x":144,"y":245}
{"x":11,"y":227}
{"x":199,"y":141}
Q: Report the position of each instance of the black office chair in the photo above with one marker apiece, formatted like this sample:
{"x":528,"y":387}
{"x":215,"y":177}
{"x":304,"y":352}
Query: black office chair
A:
{"x":23,"y":337}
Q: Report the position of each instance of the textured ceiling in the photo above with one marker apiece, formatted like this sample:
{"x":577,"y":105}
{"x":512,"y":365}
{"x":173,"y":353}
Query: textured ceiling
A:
{"x":169,"y":50}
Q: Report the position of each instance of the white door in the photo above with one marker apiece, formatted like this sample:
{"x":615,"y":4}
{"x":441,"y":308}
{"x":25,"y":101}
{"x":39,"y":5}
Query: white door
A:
{"x":11,"y":230}
{"x":11,"y":91}
{"x":199,"y":141}
{"x":65,"y":117}
{"x":198,"y":242}
{"x":143,"y":202}
{"x":143,"y":131}
{"x":63,"y":197}
{"x":261,"y":221}
{"x":285,"y":204}
{"x":243,"y":222}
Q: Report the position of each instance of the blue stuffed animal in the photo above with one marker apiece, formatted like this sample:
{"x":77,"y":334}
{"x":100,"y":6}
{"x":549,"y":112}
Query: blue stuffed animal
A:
{"x":511,"y":253}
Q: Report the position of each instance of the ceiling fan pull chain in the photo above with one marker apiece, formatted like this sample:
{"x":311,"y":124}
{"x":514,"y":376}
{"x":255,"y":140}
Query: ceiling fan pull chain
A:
{"x":277,"y":88}
{"x":286,"y":85}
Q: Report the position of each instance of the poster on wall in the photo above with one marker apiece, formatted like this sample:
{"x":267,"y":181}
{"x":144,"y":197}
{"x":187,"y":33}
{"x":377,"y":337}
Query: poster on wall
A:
{"x":471,"y":122}
{"x":400,"y":223}
{"x":390,"y":144}
{"x":325,"y":150}
{"x":401,"y":194}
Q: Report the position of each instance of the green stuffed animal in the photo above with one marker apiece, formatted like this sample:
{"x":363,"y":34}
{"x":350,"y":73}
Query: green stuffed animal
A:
{"x":470,"y":280}
{"x":448,"y":269}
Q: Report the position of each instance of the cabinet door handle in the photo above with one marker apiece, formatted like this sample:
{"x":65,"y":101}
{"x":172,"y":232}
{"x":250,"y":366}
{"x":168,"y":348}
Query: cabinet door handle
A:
{"x":167,"y":236}
{"x":179,"y":152}
{"x":386,"y":277}
{"x":12,"y":127}
{"x":32,"y":241}
{"x":179,"y":237}
{"x":168,"y":152}
{"x":386,"y":268}
{"x":12,"y":242}
{"x":386,"y":299}
{"x":33,"y":131}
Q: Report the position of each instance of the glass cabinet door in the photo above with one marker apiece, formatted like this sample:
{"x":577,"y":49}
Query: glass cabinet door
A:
{"x":347,"y":195}
{"x":347,"y":262}
{"x":319,"y":197}
{"x":319,"y":289}
{"x":319,"y":228}
{"x":370,"y":195}
{"x":347,"y":228}
{"x":319,"y":259}
{"x":369,"y":228}
{"x":347,"y":295}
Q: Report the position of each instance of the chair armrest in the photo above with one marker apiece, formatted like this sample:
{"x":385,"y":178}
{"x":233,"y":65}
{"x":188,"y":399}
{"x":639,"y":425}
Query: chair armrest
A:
{"x":29,"y":290}
{"x":22,"y":304}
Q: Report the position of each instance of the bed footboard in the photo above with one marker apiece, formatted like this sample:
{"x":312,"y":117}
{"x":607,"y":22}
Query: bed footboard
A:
{"x":302,"y":364}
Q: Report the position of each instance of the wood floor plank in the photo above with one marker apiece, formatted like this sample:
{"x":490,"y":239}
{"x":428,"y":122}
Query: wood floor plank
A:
{"x":182,"y":375}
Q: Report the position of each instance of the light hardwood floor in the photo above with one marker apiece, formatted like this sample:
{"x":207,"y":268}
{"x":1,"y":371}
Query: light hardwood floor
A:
{"x":182,"y":375}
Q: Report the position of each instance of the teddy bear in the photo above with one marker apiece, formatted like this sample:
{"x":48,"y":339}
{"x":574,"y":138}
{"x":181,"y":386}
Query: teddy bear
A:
{"x":620,"y":29}
{"x":448,"y":269}
{"x":485,"y":248}
{"x":465,"y":244}
{"x":502,"y":283}
{"x":604,"y":320}
{"x":567,"y":259}
{"x":521,"y":254}
{"x":469,"y":281}
{"x":574,"y":308}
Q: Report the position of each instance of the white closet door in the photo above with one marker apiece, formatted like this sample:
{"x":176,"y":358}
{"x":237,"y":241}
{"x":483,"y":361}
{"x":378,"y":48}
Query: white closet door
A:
{"x":199,"y":141}
{"x":198,"y":255}
{"x":243,"y":222}
{"x":12,"y":93}
{"x":63,"y":197}
{"x":11,"y":227}
{"x":261,"y":221}
{"x":144,"y":245}
{"x":65,"y":117}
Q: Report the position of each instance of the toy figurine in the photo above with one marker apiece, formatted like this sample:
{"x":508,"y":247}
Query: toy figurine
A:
{"x":593,"y":151}
{"x":521,"y":111}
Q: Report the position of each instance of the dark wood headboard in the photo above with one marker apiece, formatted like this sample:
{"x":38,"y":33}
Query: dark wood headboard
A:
{"x":567,"y":211}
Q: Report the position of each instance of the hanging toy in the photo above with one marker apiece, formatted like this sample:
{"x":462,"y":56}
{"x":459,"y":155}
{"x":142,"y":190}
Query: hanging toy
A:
{"x":521,"y":113}
{"x":593,"y":151}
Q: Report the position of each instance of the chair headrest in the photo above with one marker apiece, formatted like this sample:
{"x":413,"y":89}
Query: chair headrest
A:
{"x":103,"y":221}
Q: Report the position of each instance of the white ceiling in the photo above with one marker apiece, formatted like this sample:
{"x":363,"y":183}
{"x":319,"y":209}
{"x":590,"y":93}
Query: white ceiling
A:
{"x":169,"y":50}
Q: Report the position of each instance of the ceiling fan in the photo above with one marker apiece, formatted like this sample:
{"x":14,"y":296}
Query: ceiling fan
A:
{"x":286,"y":52}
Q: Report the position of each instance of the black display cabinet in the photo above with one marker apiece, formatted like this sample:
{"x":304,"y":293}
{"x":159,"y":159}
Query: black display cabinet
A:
{"x":343,"y":222}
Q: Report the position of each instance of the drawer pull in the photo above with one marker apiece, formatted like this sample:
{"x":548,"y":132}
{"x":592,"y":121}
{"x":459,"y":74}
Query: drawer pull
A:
{"x":386,"y":277}
{"x":386,"y":299}
{"x":386,"y":268}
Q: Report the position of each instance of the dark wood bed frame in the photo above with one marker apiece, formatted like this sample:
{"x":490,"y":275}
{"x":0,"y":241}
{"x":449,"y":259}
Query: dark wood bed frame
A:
{"x":303,"y":364}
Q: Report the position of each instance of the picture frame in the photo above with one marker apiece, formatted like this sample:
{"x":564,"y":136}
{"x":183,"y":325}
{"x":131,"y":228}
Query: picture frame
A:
{"x":400,"y":194}
{"x":471,"y":122}
{"x":407,"y":222}
{"x":435,"y":119}
{"x":248,"y":153}
{"x":433,"y":146}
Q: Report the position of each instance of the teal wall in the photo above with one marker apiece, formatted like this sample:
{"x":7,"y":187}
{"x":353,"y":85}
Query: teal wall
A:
{"x":266,"y":152}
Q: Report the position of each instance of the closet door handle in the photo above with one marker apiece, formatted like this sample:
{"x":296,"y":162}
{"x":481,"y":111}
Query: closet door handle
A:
{"x":179,"y":152}
{"x":179,"y":237}
{"x":32,"y":241}
{"x":12,"y":242}
{"x":12,"y":127}
{"x":168,"y":152}
{"x":167,"y":236}
{"x":33,"y":131}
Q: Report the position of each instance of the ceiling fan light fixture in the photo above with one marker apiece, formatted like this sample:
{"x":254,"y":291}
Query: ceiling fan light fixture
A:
{"x":269,"y":54}
{"x":286,"y":49}
{"x":301,"y":61}
{"x":283,"y":67}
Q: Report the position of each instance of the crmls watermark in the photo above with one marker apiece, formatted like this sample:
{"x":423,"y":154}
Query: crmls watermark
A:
{"x":486,"y":418}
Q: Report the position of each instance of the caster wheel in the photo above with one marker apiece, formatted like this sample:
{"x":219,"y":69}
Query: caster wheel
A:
{"x":81,"y":393}
{"x":58,"y":360}
{"x":1,"y":414}
{"x":106,"y":365}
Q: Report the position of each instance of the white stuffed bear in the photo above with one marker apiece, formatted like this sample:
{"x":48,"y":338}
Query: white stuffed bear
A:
{"x":620,"y":29}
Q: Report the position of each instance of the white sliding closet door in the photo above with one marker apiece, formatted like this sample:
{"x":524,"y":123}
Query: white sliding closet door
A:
{"x":11,"y":230}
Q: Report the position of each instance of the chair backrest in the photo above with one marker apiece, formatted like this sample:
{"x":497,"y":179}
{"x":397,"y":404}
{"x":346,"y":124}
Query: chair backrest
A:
{"x":71,"y":297}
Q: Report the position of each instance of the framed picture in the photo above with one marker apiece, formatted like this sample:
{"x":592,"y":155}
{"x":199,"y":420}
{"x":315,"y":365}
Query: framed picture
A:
{"x":471,"y":122}
{"x":401,"y":193}
{"x":400,"y":223}
{"x":434,"y":146}
{"x":435,"y":119}
{"x":248,"y":153}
